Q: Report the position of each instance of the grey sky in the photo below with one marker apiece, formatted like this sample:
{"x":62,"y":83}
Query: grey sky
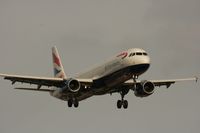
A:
{"x":87,"y":32}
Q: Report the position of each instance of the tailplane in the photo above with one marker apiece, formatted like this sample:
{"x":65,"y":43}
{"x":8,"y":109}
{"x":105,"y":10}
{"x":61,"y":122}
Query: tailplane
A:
{"x":57,"y":64}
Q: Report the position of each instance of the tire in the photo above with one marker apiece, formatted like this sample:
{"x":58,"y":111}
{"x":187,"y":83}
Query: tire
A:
{"x":125,"y":104}
{"x":76,"y":103}
{"x":70,"y":102}
{"x":119,"y":104}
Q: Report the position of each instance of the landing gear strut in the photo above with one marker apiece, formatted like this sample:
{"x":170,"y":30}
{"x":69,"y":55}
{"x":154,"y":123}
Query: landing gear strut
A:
{"x":122,"y":102}
{"x":134,"y":81}
{"x":74,"y":102}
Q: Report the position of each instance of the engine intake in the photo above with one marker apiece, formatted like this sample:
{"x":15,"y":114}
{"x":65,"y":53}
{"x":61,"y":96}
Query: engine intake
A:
{"x":72,"y":85}
{"x":144,"y":89}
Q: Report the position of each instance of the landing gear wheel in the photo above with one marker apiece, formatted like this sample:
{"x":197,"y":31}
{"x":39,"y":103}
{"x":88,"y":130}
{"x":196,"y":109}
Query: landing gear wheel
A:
{"x":70,"y":102}
{"x":122,"y":102}
{"x":125,"y":104}
{"x":76,"y":103}
{"x":119,"y":104}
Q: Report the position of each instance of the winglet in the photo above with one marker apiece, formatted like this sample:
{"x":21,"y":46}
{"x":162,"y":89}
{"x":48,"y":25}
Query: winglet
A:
{"x":57,"y":64}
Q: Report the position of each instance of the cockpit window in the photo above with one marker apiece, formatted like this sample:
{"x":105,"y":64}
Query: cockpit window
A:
{"x":144,"y":54}
{"x":138,"y":53}
{"x":132,"y":54}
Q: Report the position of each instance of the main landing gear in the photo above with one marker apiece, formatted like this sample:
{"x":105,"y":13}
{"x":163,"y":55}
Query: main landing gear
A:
{"x":135,"y":77}
{"x":74,"y":102}
{"x":122,"y":102}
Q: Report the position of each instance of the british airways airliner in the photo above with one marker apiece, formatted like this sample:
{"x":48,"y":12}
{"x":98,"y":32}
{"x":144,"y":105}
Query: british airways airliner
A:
{"x":117,"y":75}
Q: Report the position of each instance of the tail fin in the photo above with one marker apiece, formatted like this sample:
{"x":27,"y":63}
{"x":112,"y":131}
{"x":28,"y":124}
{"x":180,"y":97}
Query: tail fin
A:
{"x":57,"y":64}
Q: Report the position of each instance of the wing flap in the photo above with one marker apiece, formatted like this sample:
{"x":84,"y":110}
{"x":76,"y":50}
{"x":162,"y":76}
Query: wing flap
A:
{"x":35,"y":89}
{"x":159,"y":83}
{"x":40,"y":81}
{"x":168,"y":83}
{"x":85,"y":82}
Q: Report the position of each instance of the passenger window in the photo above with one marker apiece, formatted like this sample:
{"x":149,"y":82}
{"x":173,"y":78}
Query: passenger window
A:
{"x":144,"y":54}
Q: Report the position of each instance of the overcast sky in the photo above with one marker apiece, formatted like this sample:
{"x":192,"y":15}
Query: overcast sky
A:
{"x":87,"y":32}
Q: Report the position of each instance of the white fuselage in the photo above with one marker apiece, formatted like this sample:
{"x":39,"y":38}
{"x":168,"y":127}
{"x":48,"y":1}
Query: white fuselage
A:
{"x":112,"y":73}
{"x":117,"y":63}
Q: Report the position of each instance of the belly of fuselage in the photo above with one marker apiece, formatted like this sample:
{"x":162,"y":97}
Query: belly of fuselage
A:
{"x":104,"y":84}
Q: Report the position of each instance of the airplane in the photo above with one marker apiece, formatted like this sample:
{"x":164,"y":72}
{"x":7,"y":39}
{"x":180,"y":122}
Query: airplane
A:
{"x":117,"y":75}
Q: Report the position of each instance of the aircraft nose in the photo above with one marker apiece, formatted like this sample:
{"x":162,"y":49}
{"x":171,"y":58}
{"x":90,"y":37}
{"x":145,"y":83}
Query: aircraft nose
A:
{"x":146,"y":60}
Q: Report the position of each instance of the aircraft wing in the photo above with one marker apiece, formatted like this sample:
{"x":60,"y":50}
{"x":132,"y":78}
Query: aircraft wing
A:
{"x":41,"y":81}
{"x":159,"y":83}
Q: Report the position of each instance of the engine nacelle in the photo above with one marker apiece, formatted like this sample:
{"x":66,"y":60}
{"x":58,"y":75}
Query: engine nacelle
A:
{"x":72,"y":85}
{"x":144,"y":89}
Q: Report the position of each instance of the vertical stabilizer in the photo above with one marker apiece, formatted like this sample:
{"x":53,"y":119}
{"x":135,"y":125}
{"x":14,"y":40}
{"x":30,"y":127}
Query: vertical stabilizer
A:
{"x":57,"y":64}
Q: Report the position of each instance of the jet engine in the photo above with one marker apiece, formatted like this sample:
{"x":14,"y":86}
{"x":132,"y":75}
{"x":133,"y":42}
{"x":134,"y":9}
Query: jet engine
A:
{"x":144,"y":89}
{"x":72,"y":85}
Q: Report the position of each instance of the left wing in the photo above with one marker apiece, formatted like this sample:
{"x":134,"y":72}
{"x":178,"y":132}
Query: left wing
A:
{"x":159,"y":83}
{"x":41,"y":81}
